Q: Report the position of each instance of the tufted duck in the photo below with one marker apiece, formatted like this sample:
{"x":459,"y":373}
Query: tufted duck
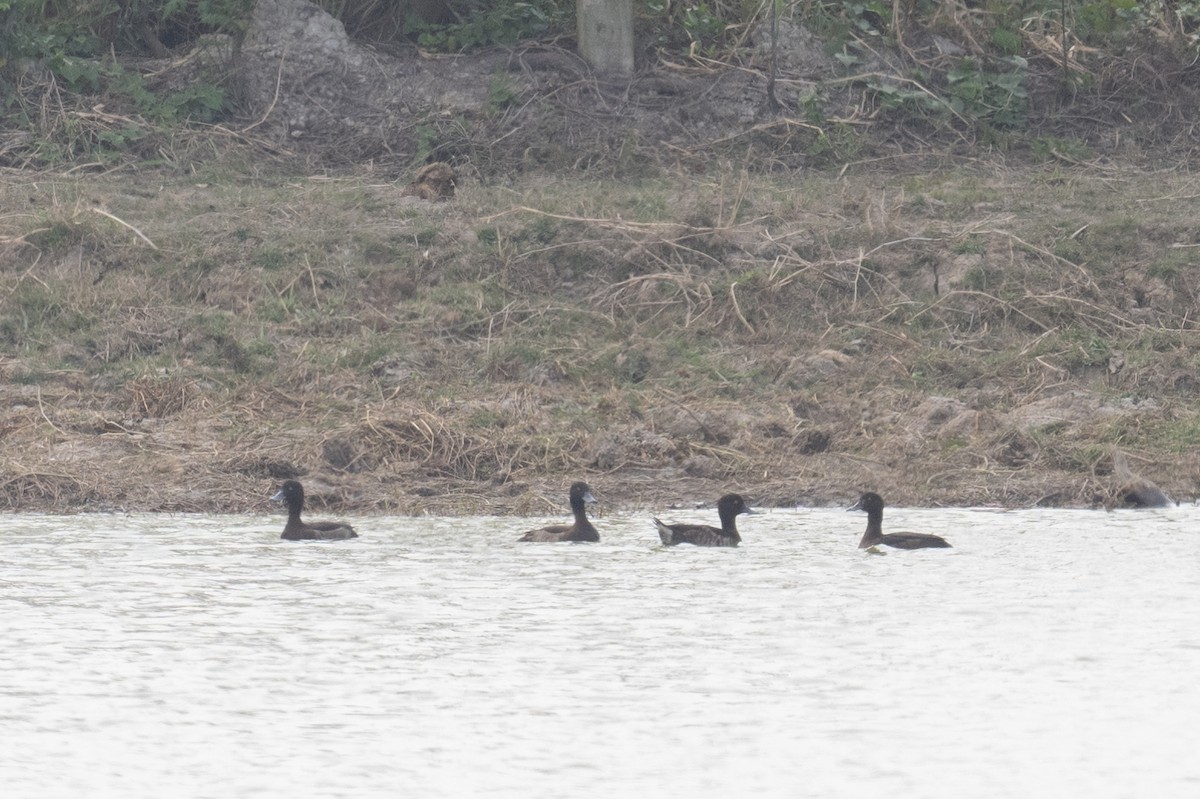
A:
{"x":703,"y":535}
{"x":291,"y":493}
{"x":581,"y":530}
{"x":872,"y":503}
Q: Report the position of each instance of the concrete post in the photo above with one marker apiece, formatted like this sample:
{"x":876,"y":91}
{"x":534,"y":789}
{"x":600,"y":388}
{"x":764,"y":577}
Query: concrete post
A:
{"x":606,"y":35}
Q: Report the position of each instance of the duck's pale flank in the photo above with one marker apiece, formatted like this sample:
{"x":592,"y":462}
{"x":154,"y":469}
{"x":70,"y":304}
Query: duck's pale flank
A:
{"x":579,"y":530}
{"x":872,"y":503}
{"x":704,"y":535}
{"x":291,"y":493}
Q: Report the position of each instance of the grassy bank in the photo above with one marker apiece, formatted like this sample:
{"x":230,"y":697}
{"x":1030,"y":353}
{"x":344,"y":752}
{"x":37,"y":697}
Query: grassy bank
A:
{"x":940,"y":331}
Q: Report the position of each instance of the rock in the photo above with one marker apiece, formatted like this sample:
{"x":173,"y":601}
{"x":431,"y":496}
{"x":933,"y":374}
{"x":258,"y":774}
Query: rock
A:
{"x":933,"y":413}
{"x":637,"y":447}
{"x":811,"y":441}
{"x":703,"y":466}
{"x":1014,"y":449}
{"x":302,"y":78}
{"x":1069,"y":408}
{"x":969,"y":424}
{"x":798,"y":49}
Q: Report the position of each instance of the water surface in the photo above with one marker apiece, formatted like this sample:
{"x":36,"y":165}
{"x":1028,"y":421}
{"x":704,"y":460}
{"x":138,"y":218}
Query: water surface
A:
{"x":1050,"y":653}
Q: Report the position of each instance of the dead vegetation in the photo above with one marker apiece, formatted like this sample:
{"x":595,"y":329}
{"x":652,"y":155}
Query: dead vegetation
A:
{"x":982,"y":334}
{"x":773,"y":304}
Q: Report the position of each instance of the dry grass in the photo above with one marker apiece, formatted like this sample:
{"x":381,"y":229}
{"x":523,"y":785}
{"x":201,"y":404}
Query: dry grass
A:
{"x":769,"y":307}
{"x":909,"y":331}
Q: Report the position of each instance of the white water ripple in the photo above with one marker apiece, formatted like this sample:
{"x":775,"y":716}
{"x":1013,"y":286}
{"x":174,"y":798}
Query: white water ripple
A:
{"x":1049,"y":653}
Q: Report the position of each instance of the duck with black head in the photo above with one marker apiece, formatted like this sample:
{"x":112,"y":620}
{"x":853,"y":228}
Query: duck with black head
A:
{"x":872,"y":503}
{"x":729,"y":507}
{"x":291,"y":493}
{"x":579,"y":530}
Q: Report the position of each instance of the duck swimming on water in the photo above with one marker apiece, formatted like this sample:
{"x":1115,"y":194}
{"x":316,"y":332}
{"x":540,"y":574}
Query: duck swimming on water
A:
{"x":872,"y":503}
{"x":291,"y":493}
{"x":580,"y":530}
{"x":704,"y":535}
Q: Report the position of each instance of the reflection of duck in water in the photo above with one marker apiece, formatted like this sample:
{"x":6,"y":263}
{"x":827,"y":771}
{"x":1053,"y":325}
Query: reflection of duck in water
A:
{"x":1135,"y":491}
{"x":872,"y":503}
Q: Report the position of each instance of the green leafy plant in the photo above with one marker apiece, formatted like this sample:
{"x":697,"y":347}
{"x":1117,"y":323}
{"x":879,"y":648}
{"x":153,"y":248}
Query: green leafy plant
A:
{"x":503,"y":92}
{"x":1007,"y":41}
{"x":700,"y":27}
{"x":78,"y":48}
{"x":1047,"y":148}
{"x":999,"y":97}
{"x":703,"y":26}
{"x":982,"y":97}
{"x":484,"y":24}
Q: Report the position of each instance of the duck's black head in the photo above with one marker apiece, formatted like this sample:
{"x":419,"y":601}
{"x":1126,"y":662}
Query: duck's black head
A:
{"x":731,"y":505}
{"x":291,"y":493}
{"x":580,"y":492}
{"x":870,"y":502}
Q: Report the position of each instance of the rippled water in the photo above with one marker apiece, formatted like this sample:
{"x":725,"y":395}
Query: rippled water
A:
{"x":1050,"y":653}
